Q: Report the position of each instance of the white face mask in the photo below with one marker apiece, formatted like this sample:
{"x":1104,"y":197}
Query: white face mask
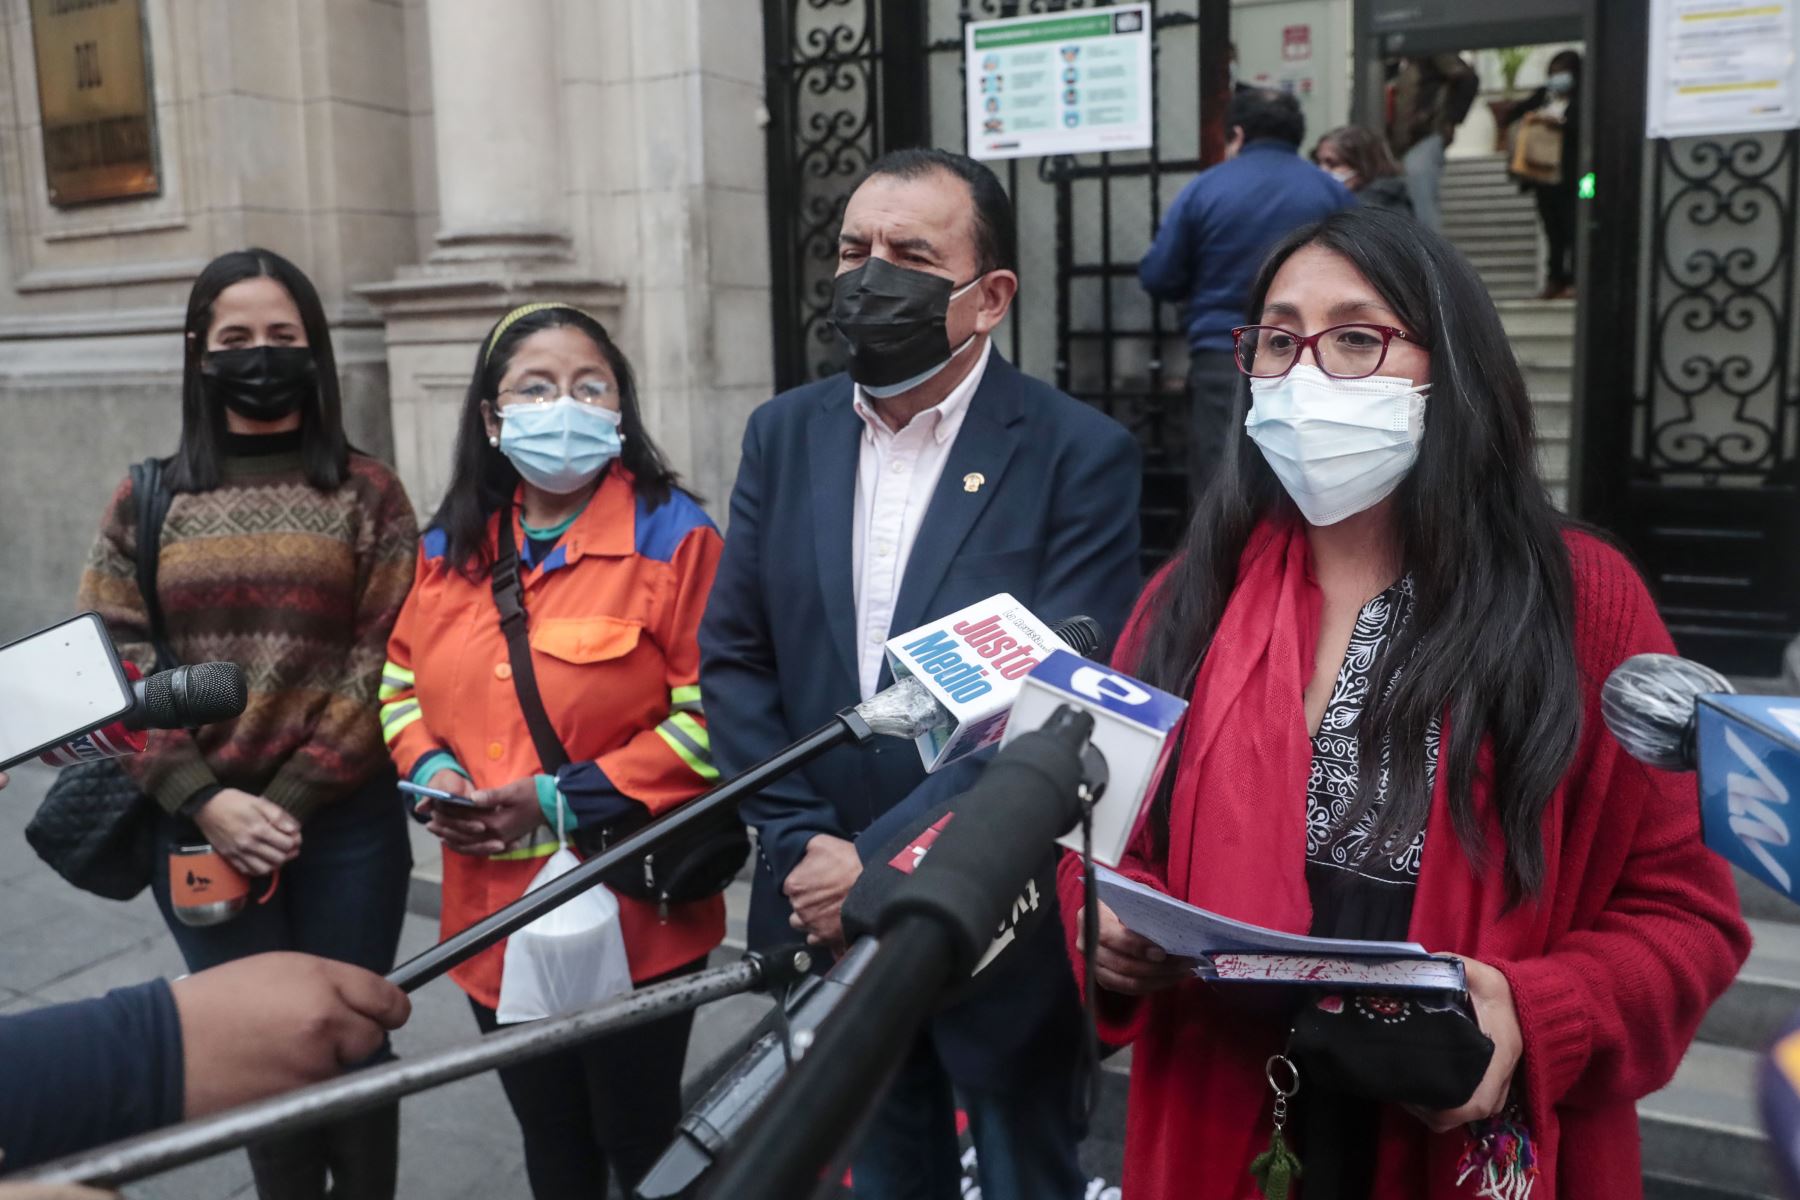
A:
{"x":1339,"y":446}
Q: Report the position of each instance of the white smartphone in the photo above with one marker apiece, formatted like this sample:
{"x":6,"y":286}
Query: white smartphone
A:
{"x":57,"y":684}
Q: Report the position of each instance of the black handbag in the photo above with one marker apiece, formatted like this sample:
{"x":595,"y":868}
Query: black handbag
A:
{"x":1425,"y":1050}
{"x":95,"y":827}
{"x":699,"y":862}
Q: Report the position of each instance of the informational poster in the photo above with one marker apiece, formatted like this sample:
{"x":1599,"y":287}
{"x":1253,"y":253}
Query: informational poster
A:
{"x":1068,"y":83}
{"x":1723,"y":66}
{"x":93,"y":78}
{"x":1296,"y":43}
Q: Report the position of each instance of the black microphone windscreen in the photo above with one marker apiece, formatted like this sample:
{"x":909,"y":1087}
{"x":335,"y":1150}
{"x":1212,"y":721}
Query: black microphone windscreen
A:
{"x":194,"y":695}
{"x":1082,"y":634}
{"x":1648,"y":704}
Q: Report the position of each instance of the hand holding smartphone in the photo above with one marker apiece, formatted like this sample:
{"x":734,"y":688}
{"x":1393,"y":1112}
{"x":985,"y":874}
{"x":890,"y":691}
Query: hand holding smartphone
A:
{"x":436,"y":794}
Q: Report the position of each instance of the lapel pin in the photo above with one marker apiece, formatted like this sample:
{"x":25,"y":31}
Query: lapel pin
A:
{"x":973,"y":480}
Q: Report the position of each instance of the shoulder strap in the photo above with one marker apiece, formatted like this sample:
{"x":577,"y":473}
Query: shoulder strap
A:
{"x":509,"y":598}
{"x":153,"y":499}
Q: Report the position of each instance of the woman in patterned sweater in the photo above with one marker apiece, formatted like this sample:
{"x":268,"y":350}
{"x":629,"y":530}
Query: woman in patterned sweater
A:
{"x":289,"y":553}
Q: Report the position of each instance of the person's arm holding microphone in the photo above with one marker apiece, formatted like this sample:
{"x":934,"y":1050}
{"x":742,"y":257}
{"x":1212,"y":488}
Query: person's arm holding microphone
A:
{"x":150,"y":1055}
{"x":146,"y":1056}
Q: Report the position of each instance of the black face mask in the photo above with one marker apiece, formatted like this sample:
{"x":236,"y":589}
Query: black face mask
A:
{"x":893,"y":318}
{"x":261,"y":383}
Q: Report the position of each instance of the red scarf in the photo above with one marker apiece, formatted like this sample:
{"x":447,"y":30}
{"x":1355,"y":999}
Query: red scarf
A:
{"x":1246,"y":752}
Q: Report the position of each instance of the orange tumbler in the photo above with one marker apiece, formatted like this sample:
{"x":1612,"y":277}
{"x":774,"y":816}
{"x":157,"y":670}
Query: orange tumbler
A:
{"x":204,"y":889}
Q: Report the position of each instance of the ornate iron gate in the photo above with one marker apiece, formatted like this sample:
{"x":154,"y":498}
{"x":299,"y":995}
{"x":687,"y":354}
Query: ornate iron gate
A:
{"x":848,"y":80}
{"x":1715,"y":423}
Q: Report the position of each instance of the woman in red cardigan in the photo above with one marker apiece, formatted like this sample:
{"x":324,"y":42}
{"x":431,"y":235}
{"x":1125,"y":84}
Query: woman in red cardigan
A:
{"x":1394,"y":647}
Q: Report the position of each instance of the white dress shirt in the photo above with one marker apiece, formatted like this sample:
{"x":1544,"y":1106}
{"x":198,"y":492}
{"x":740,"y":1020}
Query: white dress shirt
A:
{"x":896,"y":473}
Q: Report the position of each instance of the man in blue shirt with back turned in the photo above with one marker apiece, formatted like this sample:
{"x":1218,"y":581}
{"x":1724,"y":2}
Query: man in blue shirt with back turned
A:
{"x":1213,"y":241}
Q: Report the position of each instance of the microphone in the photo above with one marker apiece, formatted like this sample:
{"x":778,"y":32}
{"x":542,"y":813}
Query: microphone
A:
{"x":184,"y":697}
{"x":1677,"y":715}
{"x":1649,"y":702}
{"x":738,"y":1095}
{"x":934,"y":929}
{"x":175,"y":699}
{"x":1133,"y":724}
{"x":955,"y":678}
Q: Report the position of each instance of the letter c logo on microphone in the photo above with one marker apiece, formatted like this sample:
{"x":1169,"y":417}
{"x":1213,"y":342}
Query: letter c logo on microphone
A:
{"x":1103,"y":686}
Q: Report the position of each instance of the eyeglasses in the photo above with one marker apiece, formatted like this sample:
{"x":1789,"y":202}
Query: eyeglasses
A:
{"x":542,"y":391}
{"x":1342,"y":352}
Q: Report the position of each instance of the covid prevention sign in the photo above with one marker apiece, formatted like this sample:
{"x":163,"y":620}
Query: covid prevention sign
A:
{"x":1062,"y":83}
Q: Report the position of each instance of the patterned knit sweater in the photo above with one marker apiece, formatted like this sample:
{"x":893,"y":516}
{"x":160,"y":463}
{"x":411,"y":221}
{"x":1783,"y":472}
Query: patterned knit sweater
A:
{"x":298,"y":586}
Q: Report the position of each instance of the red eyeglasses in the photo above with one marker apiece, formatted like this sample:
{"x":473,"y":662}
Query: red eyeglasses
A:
{"x":1342,"y":352}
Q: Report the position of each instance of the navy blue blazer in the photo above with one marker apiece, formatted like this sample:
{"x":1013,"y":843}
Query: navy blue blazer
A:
{"x":1055,"y":524}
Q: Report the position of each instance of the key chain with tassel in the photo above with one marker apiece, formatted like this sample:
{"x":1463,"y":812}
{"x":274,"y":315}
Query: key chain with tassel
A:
{"x":1276,"y":1168}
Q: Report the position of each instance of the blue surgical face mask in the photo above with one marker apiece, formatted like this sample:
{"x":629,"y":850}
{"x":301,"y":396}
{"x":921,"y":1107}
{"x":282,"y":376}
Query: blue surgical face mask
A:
{"x":560,"y":446}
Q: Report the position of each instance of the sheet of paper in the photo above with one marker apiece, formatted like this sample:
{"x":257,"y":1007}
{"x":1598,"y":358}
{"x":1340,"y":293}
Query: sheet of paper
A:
{"x":1190,"y":932}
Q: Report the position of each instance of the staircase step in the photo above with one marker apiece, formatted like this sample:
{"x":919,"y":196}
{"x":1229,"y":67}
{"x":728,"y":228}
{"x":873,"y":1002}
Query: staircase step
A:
{"x":1760,"y":902}
{"x":1539,"y":316}
{"x":1553,"y":417}
{"x":1524,"y":275}
{"x":1545,"y":353}
{"x":1498,"y":245}
{"x":1547,"y":381}
{"x":1703,"y":1130}
{"x":1766,"y":993}
{"x":1553,"y":462}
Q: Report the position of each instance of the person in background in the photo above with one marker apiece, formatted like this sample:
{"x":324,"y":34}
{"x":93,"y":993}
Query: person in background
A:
{"x":1556,"y":202}
{"x":1360,"y":160}
{"x":1214,"y":234}
{"x":930,"y":477}
{"x":1428,"y":98}
{"x":615,"y":561}
{"x":1364,"y":758}
{"x":288,"y":552}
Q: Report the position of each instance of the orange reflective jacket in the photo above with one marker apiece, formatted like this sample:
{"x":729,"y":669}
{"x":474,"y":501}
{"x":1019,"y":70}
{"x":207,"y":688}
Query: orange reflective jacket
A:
{"x":613,"y":610}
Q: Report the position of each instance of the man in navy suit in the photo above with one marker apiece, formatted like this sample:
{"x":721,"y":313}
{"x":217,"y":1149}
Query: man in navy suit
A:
{"x":930,"y":476}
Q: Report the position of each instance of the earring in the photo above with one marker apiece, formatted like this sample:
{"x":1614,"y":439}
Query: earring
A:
{"x":494,"y":442}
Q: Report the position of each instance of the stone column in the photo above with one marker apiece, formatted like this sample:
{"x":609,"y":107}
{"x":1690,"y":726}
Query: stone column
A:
{"x":502,"y":237}
{"x":496,"y":103}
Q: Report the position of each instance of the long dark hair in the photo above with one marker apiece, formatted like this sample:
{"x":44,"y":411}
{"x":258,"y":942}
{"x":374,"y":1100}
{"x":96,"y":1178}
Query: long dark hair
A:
{"x":324,"y":451}
{"x":1363,"y":151}
{"x":1491,"y":641}
{"x":482,"y":479}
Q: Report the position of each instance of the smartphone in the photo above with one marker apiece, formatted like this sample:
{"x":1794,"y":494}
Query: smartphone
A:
{"x":438,"y":794}
{"x":57,"y":684}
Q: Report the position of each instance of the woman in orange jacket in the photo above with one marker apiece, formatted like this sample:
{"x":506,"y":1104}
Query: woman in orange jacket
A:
{"x":615,"y":562}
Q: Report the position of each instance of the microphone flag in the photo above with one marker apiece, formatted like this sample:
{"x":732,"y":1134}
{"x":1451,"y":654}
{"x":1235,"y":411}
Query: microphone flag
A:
{"x":1749,"y":771}
{"x":115,"y":740}
{"x":1132,"y":726}
{"x":972,"y":662}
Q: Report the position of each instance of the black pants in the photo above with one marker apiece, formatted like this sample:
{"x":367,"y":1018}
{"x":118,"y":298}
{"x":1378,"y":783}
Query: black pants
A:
{"x":1213,"y":385}
{"x":610,"y":1104}
{"x":344,"y":897}
{"x":1556,"y":209}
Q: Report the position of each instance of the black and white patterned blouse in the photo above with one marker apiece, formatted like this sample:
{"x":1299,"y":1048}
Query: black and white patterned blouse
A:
{"x":1357,"y":890}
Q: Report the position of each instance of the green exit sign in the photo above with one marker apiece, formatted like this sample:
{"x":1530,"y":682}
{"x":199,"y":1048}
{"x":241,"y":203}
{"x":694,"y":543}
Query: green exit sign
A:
{"x":1585,"y":189}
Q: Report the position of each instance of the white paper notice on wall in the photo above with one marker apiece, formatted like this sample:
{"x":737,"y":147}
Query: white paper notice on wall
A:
{"x":1072,"y":82}
{"x":1723,"y":66}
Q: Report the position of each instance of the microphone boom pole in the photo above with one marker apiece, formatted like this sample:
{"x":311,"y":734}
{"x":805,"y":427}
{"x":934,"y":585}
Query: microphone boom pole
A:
{"x":847,"y":728}
{"x":933,"y":929}
{"x":305,"y":1108}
